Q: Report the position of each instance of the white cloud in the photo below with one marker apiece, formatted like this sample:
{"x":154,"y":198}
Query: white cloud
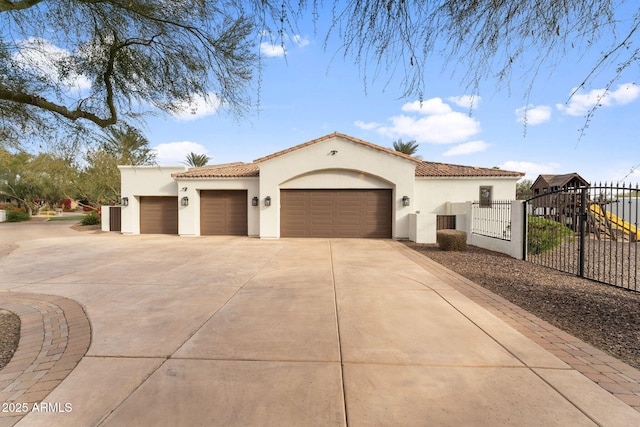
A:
{"x":272,"y":50}
{"x":534,"y":115}
{"x":366,"y":126}
{"x":466,"y":101}
{"x":300,"y":41}
{"x":42,"y":57}
{"x":532,"y":170}
{"x":276,"y":49}
{"x":466,"y":148}
{"x":435,"y":123}
{"x":580,"y":103}
{"x":430,"y":106}
{"x":198,"y":108}
{"x":174,"y":153}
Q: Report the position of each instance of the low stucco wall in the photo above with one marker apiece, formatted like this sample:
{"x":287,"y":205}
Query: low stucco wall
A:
{"x":105,"y":215}
{"x":3,"y":215}
{"x":423,"y":229}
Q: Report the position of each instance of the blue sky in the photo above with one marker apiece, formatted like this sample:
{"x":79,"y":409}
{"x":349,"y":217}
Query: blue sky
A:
{"x":310,"y":93}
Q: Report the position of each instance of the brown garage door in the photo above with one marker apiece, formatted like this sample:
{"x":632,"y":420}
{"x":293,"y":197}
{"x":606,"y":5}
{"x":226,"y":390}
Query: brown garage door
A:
{"x":223,"y":213}
{"x":335,"y":213}
{"x":159,"y":215}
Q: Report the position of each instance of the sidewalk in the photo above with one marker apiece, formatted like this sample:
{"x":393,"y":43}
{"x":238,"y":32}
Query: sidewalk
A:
{"x":239,"y":331}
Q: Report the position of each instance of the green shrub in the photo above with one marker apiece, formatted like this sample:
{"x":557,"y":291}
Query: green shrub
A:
{"x":92,"y":218}
{"x":545,"y":235}
{"x":17,"y":215}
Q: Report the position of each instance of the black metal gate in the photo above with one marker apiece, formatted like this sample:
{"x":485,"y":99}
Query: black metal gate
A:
{"x":591,"y":232}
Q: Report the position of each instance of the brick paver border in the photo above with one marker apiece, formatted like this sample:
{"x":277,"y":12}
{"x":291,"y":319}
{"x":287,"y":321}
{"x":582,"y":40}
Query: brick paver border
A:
{"x":55,"y":334}
{"x":613,"y":375}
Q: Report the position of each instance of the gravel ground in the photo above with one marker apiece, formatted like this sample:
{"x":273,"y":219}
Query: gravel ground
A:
{"x":604,"y":316}
{"x":9,"y":335}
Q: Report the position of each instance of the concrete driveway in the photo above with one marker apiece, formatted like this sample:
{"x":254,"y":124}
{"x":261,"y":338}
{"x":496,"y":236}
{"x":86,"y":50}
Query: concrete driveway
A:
{"x":292,"y":332}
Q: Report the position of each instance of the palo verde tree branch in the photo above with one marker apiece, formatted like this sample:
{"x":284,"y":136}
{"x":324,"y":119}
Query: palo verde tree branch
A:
{"x":7,"y":94}
{"x":6,"y":5}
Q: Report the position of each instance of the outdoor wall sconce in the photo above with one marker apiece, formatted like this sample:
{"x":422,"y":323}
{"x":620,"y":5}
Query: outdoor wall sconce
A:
{"x":124,"y":201}
{"x":255,"y":201}
{"x":333,"y":152}
{"x":184,"y":188}
{"x":267,"y":201}
{"x":184,"y":201}
{"x":406,"y":201}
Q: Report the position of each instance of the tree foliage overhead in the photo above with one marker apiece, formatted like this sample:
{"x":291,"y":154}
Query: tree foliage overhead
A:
{"x":77,"y":62}
{"x":487,"y":38}
{"x":99,"y":61}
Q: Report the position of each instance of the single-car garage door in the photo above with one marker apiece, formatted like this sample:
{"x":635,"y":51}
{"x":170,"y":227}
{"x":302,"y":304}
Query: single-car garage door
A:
{"x":336,"y":213}
{"x":158,"y":215}
{"x":223,"y":213}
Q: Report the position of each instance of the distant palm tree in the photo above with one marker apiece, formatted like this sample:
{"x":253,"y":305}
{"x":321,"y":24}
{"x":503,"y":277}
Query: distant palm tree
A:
{"x":196,"y":160}
{"x":409,"y":147}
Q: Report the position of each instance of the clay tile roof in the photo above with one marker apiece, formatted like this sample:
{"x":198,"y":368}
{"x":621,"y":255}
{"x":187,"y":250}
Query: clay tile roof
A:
{"x":339,"y":135}
{"x":433,"y":169}
{"x":227,"y":170}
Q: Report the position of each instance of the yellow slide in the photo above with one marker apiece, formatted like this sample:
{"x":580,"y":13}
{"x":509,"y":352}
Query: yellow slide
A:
{"x":617,"y":222}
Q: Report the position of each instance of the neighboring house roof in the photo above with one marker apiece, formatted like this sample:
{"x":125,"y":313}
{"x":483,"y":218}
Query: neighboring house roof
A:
{"x":550,"y":181}
{"x":433,"y":169}
{"x":423,"y":168}
{"x":343,"y":136}
{"x":227,"y":170}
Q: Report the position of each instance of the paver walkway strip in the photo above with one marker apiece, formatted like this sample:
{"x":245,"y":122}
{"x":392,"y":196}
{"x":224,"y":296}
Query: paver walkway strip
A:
{"x":55,"y":334}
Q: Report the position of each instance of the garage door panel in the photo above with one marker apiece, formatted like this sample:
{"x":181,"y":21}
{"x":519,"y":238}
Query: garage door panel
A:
{"x":223,"y":213}
{"x":158,"y":215}
{"x":336,"y":213}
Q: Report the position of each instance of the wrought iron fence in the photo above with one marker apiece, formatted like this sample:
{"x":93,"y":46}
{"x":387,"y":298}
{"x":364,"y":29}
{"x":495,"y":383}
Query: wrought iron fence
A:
{"x":589,"y":231}
{"x":491,"y":220}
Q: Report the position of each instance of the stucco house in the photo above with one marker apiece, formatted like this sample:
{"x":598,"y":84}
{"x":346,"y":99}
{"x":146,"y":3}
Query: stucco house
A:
{"x":332,"y":186}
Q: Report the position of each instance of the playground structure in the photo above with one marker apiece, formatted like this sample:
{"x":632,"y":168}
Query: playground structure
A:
{"x":603,"y":242}
{"x":605,"y":224}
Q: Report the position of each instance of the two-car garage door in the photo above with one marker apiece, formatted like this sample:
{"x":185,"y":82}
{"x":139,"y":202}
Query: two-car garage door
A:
{"x":336,"y":213}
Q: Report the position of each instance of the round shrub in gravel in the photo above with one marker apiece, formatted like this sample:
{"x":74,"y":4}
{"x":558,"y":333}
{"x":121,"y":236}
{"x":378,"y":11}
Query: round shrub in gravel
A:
{"x":451,"y":240}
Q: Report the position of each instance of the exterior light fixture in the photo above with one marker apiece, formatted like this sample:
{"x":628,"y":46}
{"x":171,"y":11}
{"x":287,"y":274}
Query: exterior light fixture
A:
{"x":267,"y":201}
{"x":184,"y":201}
{"x":406,"y":201}
{"x":333,"y":152}
{"x":255,"y":201}
{"x":124,"y":201}
{"x":184,"y":188}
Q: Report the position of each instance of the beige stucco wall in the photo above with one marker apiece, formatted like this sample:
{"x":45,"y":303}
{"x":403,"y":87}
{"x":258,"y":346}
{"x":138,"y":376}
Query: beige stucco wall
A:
{"x":432,"y":194}
{"x":335,"y":178}
{"x":144,"y":181}
{"x":189,"y":216}
{"x":352,"y":164}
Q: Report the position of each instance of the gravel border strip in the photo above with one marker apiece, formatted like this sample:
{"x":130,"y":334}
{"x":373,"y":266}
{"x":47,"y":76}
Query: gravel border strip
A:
{"x":55,"y":334}
{"x":618,"y":378}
